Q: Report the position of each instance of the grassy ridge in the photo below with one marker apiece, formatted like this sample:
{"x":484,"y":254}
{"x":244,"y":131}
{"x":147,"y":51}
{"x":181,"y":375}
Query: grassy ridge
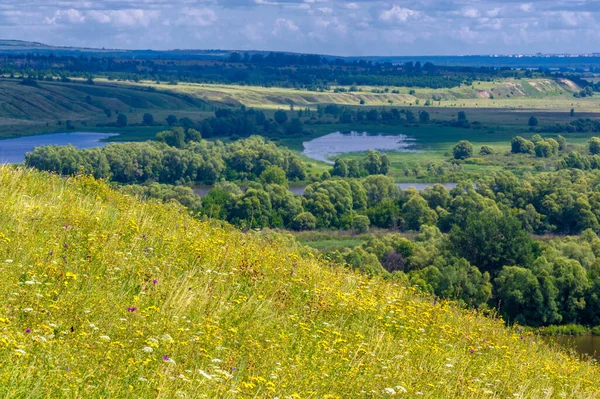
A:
{"x":504,"y":93}
{"x":104,"y":296}
{"x":34,"y":109}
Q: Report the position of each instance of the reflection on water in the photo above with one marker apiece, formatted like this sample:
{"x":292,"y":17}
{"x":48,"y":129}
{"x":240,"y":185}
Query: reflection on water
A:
{"x":584,"y":344}
{"x":338,"y":143}
{"x":14,"y":150}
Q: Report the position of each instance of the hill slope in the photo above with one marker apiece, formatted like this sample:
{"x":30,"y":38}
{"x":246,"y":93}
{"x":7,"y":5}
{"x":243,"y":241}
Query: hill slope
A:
{"x":38,"y":108}
{"x":104,"y":296}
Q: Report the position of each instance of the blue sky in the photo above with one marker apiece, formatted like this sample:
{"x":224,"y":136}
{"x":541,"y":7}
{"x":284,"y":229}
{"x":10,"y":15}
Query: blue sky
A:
{"x":353,"y":27}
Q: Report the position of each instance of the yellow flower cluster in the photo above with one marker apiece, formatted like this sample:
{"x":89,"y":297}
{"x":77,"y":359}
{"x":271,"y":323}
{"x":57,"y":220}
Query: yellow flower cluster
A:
{"x":104,"y":296}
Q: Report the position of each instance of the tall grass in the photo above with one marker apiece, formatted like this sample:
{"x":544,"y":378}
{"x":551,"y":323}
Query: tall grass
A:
{"x":104,"y":296}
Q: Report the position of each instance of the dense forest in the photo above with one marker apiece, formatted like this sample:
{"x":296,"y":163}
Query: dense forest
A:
{"x":311,"y":72}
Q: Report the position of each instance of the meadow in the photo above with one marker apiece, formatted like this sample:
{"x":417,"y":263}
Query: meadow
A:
{"x":106,"y":296}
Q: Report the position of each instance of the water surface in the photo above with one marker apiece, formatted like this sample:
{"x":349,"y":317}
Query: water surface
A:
{"x":584,"y":344}
{"x":14,"y":150}
{"x":330,"y":145}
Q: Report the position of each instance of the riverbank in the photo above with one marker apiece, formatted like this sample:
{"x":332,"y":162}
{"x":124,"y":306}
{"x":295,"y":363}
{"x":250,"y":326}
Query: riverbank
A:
{"x":567,"y":329}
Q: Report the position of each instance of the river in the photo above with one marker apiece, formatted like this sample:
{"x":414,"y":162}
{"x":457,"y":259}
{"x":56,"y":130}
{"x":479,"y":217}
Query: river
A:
{"x":14,"y":150}
{"x":324,"y":147}
{"x":584,"y":344}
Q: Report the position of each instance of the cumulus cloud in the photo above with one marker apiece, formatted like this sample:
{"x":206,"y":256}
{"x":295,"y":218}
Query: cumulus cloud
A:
{"x":345,"y":27}
{"x":397,"y":13}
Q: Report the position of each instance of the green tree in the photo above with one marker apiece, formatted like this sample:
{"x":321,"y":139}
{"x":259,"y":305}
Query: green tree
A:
{"x":463,"y":149}
{"x":491,"y":240}
{"x":520,"y":294}
{"x":295,"y":127}
{"x":305,"y":221}
{"x":340,"y":168}
{"x":416,"y":213}
{"x":562,"y":142}
{"x":424,"y":117}
{"x":372,"y":162}
{"x":274,"y":175}
{"x":462,"y":116}
{"x":122,"y":120}
{"x":361,"y":223}
{"x":280,"y":116}
{"x":519,"y":145}
{"x":543,"y":149}
{"x":148,"y":119}
{"x":533,"y":121}
{"x":594,"y":145}
{"x":171,"y":120}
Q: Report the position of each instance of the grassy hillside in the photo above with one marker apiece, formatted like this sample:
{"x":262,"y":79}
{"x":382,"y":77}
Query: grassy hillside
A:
{"x":47,"y":106}
{"x":505,"y":93}
{"x":104,"y":296}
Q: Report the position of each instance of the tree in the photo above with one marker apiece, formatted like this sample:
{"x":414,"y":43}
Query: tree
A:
{"x":594,"y":145}
{"x":521,"y":296}
{"x":122,"y":120}
{"x":463,"y":149}
{"x":372,"y":162}
{"x":373,"y":115}
{"x":462,"y":116}
{"x":416,"y":213}
{"x":280,"y":116}
{"x":174,"y":137}
{"x":491,"y":239}
{"x":562,"y":142}
{"x":274,"y":175}
{"x":340,"y":168}
{"x":424,"y":117}
{"x":536,"y":138}
{"x":519,"y":145}
{"x":171,"y":120}
{"x":543,"y":149}
{"x":533,"y":121}
{"x":304,"y":221}
{"x":385,"y":165}
{"x":148,"y":119}
{"x":361,"y":223}
{"x":295,"y":127}
{"x":572,"y":113}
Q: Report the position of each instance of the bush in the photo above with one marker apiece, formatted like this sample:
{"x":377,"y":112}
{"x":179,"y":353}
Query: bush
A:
{"x":361,"y":223}
{"x":486,"y":150}
{"x":594,"y":145}
{"x":305,"y":221}
{"x":519,"y":145}
{"x":463,"y":149}
{"x":543,"y":149}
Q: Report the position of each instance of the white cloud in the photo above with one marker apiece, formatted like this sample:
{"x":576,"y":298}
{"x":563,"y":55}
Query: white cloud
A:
{"x":527,"y":7}
{"x":283,"y":24}
{"x":470,"y":12}
{"x":197,"y":17}
{"x":398,"y":14}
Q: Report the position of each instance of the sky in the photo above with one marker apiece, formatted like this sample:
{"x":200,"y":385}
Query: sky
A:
{"x":337,"y":27}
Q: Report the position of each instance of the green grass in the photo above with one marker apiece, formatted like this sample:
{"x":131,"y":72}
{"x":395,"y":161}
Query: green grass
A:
{"x":105,"y":296}
{"x":26,"y":110}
